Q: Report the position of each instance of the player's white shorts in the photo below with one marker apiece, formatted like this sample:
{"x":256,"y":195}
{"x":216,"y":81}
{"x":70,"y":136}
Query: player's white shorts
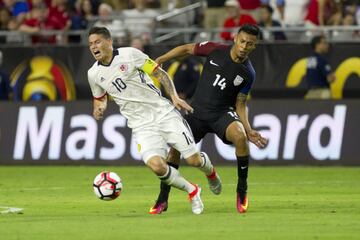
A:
{"x":172,"y":130}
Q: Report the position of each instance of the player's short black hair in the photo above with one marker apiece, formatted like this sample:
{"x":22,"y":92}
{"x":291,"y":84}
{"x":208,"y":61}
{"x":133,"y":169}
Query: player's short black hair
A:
{"x":250,"y":29}
{"x":268,"y":8}
{"x":316,"y":40}
{"x":101,"y":31}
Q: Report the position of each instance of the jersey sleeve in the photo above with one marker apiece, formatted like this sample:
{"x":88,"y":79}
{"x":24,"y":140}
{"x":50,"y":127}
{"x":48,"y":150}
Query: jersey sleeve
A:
{"x":246,"y":89}
{"x":143,"y":61}
{"x":96,"y":90}
{"x":205,"y":48}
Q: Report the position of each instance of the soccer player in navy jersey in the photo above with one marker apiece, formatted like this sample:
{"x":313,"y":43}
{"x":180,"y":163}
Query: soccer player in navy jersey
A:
{"x":219,"y":104}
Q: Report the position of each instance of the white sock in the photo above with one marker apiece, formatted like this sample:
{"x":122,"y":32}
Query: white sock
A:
{"x":206,"y":165}
{"x":173,"y":178}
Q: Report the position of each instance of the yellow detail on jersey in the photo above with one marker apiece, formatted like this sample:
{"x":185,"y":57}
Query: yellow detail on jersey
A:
{"x":149,"y":66}
{"x":139,"y":148}
{"x":156,"y":82}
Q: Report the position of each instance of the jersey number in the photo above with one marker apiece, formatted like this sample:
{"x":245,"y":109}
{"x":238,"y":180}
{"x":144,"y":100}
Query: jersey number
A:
{"x":234,"y":115}
{"x":187,"y":138}
{"x":220,"y":82}
{"x":119,"y":84}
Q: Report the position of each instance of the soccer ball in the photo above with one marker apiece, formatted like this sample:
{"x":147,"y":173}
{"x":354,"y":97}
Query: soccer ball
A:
{"x":107,"y":185}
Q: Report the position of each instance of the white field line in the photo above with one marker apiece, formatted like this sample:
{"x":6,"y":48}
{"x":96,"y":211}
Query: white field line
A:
{"x":6,"y":210}
{"x":35,"y":189}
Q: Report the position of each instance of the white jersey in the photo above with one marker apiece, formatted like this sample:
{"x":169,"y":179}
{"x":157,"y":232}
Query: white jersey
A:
{"x":126,"y":80}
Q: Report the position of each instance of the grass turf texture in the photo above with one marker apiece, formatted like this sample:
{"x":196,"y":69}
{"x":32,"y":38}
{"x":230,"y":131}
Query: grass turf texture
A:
{"x":285,"y":203}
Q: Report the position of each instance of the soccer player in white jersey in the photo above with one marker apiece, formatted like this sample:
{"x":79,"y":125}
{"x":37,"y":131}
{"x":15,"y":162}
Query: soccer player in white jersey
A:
{"x":123,"y":74}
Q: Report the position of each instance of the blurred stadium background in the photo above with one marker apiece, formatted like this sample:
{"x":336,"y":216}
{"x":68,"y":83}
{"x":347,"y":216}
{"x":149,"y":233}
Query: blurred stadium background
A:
{"x":46,"y":120}
{"x":47,"y":105}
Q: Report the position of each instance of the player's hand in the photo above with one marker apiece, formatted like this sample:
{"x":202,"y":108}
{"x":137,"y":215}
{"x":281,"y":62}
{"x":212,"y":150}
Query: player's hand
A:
{"x":158,"y":60}
{"x":182,"y":105}
{"x":98,"y":113}
{"x":256,"y":138}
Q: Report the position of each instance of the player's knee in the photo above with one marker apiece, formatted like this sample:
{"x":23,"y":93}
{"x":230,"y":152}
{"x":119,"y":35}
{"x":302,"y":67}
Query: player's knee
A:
{"x":194,"y":160}
{"x":157,"y":165}
{"x":240,"y":140}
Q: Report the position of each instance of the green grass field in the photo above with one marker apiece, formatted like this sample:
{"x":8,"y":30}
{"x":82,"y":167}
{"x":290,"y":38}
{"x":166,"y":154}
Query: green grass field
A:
{"x":285,"y":203}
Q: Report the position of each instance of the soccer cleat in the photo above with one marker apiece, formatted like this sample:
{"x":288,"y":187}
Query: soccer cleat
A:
{"x":159,"y":207}
{"x":242,"y":203}
{"x":197,"y":206}
{"x":214,"y":183}
{"x":213,"y":179}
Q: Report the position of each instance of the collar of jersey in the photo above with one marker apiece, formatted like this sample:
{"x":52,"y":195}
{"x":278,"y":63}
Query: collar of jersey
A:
{"x":115,"y":52}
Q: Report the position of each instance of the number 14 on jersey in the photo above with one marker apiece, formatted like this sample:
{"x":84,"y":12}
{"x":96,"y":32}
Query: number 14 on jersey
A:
{"x":220,"y":82}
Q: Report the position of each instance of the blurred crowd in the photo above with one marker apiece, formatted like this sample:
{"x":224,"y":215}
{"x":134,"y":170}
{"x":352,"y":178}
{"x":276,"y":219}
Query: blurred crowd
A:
{"x":128,"y":19}
{"x":286,"y":14}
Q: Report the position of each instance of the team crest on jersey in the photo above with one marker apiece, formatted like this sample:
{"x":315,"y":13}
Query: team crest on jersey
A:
{"x":238,"y":80}
{"x":123,"y":67}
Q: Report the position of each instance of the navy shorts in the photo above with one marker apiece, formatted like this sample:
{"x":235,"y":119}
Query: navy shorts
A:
{"x":200,"y":127}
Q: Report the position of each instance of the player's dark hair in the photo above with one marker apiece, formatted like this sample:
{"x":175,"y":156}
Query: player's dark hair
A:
{"x":268,"y":8}
{"x":250,"y":29}
{"x":101,"y":31}
{"x":316,"y":40}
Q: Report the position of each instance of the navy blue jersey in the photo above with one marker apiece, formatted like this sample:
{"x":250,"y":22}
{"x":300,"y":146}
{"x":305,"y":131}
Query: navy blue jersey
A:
{"x":221,"y":81}
{"x":317,"y":70}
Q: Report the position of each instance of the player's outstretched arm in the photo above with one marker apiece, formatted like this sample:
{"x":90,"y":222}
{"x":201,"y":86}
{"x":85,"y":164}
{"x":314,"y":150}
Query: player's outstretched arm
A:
{"x":169,"y":88}
{"x":242,"y":111}
{"x":253,"y":135}
{"x":100,"y":105}
{"x":177,"y":52}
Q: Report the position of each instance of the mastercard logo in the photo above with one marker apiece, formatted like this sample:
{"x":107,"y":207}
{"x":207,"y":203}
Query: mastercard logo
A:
{"x":42,"y":78}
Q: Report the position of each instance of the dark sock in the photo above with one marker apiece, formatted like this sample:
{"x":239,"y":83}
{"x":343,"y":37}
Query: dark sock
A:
{"x":243,"y":166}
{"x":164,"y":188}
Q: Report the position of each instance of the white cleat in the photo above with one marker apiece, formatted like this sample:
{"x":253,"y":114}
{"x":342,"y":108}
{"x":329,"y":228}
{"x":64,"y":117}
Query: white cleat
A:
{"x":197,"y":205}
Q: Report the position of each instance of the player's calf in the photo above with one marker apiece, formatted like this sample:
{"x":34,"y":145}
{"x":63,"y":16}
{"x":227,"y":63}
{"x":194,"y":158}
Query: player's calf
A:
{"x":157,"y":165}
{"x":201,"y":161}
{"x":195,"y":160}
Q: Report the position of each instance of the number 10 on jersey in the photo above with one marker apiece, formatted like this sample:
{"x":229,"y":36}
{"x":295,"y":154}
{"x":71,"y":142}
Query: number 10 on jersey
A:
{"x":119,"y":84}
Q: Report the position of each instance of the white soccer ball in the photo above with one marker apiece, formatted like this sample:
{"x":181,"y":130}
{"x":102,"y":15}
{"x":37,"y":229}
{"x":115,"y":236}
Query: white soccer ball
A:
{"x":107,"y":185}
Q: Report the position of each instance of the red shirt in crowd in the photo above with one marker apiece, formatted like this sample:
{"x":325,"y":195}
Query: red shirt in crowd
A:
{"x":232,"y":23}
{"x":313,"y":11}
{"x":34,"y":22}
{"x":312,"y":14}
{"x":249,"y":4}
{"x":58,"y":18}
